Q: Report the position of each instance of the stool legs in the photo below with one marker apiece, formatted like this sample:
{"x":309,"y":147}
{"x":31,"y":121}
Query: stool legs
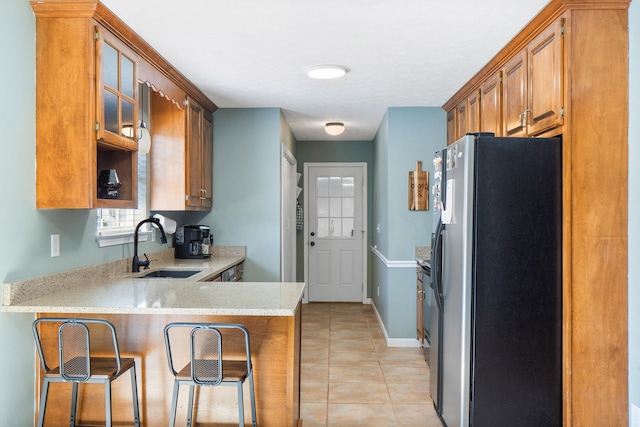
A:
{"x":43,"y":402}
{"x":134,"y":392}
{"x":107,"y":403}
{"x":174,"y":404}
{"x":74,"y":404}
{"x":240,"y":406}
{"x":190,"y":407}
{"x":192,"y":390}
{"x":252,"y":392}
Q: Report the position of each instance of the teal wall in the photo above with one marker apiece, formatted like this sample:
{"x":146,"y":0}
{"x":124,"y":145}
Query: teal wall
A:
{"x":246,"y":187}
{"x":634,"y":205}
{"x":406,"y":135}
{"x":335,"y":151}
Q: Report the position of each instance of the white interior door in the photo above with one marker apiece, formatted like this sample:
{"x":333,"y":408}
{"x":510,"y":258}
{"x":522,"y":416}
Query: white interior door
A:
{"x":335,"y":231}
{"x":288,"y":195}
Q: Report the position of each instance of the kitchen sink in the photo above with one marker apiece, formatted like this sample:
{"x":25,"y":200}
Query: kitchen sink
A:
{"x":174,"y":274}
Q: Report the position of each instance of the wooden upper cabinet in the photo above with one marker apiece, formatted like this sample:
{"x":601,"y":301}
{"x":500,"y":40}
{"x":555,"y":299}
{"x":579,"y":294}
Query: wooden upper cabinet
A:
{"x":199,"y":144}
{"x":546,"y":82}
{"x":464,"y":118}
{"x":194,"y":154}
{"x":88,"y":67}
{"x":473,"y":112}
{"x":532,"y":86}
{"x":461,"y":119}
{"x":451,"y":126}
{"x":491,"y":105}
{"x":207,"y":160}
{"x":514,"y":95}
{"x":181,"y":155}
{"x":72,"y":146}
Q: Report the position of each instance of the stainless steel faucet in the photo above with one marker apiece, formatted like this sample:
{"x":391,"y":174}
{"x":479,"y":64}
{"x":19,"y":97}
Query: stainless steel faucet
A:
{"x":145,"y":263}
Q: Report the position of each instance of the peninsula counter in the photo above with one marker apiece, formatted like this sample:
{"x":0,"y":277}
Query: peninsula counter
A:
{"x":141,"y":307}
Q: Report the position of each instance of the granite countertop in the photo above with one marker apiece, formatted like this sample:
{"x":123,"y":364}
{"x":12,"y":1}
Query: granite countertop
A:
{"x":423,"y":254}
{"x":78,"y":291}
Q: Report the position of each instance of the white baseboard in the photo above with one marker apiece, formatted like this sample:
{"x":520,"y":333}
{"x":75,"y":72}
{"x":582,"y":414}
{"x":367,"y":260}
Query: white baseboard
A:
{"x":394,"y":342}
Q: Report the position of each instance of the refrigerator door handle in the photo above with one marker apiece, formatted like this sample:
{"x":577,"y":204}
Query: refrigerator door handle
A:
{"x":437,"y":265}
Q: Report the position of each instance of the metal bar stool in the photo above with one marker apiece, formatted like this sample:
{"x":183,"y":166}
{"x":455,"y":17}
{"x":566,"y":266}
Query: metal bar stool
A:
{"x":207,"y":366}
{"x":77,"y":365}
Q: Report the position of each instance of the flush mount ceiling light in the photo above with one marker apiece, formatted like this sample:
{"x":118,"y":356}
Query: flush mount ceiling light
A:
{"x":327,"y":71}
{"x":334,"y":128}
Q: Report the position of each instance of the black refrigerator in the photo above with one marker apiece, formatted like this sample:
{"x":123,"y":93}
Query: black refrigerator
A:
{"x":496,"y":318}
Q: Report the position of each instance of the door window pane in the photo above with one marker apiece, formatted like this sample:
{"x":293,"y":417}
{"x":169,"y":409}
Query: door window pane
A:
{"x":110,"y":111}
{"x":127,"y":82}
{"x":347,"y":207}
{"x":335,"y":185}
{"x":323,"y":227}
{"x":323,"y":207}
{"x":335,"y":208}
{"x":347,"y":186}
{"x":110,"y":66}
{"x":335,"y":227}
{"x":322,"y":186}
{"x":127,"y":115}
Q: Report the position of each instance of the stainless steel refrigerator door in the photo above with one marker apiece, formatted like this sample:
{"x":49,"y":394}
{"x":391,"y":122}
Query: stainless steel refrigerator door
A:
{"x":456,"y":281}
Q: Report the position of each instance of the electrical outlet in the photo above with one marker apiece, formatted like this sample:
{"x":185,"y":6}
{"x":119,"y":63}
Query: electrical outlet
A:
{"x":635,"y":416}
{"x":55,"y":245}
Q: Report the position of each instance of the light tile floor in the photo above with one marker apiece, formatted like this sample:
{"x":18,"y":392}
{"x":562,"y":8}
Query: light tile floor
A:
{"x":351,"y":378}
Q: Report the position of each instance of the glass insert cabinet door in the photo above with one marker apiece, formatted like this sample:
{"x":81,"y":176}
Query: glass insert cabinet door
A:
{"x":117,"y":107}
{"x":335,"y":204}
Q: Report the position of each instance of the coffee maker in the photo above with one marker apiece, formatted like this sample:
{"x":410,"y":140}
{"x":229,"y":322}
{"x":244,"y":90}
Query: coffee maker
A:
{"x":192,"y":241}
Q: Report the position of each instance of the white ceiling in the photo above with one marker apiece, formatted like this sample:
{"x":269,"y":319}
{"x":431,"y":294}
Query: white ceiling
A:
{"x":255,"y":53}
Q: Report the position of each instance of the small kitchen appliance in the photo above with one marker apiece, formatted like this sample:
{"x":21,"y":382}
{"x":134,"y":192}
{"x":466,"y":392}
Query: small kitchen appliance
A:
{"x":108,"y":184}
{"x":192,"y":241}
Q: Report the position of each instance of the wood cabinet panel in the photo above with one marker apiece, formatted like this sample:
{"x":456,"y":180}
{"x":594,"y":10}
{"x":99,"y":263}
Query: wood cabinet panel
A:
{"x":181,"y":156}
{"x":461,"y":119}
{"x":514,"y":95}
{"x":545,"y":80}
{"x":597,"y":79}
{"x":451,"y":126}
{"x":167,"y":181}
{"x":194,"y":150}
{"x":199,"y":142}
{"x":491,"y":105}
{"x":473,"y":112}
{"x":532,"y":86}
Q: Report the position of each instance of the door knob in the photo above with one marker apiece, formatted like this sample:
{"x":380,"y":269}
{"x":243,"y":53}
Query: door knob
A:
{"x":312,"y":243}
{"x":313,"y":234}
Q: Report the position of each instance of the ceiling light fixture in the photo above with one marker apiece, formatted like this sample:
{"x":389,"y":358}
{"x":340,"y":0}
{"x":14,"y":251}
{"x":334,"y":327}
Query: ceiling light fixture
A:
{"x":334,"y":128}
{"x":327,"y":71}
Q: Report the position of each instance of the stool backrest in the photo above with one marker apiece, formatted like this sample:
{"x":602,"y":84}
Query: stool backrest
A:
{"x":74,"y":346}
{"x":206,"y":355}
{"x":206,"y":350}
{"x":74,"y":351}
